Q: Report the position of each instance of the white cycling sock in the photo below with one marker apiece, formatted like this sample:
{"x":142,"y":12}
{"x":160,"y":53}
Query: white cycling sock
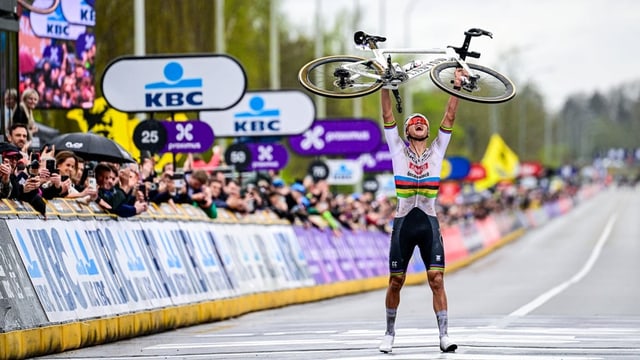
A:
{"x":391,"y":321}
{"x":443,"y":320}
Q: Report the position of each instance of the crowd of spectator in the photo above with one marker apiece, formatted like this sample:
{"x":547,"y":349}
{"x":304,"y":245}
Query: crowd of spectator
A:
{"x":129,"y":189}
{"x":34,"y":176}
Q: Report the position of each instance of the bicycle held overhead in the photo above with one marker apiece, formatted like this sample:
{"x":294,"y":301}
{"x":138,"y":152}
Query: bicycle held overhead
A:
{"x":348,"y":76}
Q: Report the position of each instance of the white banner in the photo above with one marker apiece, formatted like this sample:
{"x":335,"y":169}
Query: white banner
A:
{"x":344,"y":172}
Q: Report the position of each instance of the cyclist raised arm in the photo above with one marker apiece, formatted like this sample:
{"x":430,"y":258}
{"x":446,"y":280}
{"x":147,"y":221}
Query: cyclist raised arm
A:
{"x":416,"y":170}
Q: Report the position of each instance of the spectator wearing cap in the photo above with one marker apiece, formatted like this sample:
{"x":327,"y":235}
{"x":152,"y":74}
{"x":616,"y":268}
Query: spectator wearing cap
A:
{"x":23,"y":187}
{"x":297,"y":201}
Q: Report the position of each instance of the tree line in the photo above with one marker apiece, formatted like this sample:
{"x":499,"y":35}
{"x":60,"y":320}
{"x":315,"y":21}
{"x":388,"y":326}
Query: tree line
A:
{"x":586,"y":125}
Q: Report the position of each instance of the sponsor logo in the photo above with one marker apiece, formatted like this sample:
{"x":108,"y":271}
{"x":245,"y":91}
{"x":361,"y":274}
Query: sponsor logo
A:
{"x":258,"y":119}
{"x":175,"y":92}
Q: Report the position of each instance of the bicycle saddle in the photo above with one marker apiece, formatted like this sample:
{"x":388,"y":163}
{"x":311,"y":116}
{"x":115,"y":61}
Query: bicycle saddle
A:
{"x":362,"y":38}
{"x":478,"y":32}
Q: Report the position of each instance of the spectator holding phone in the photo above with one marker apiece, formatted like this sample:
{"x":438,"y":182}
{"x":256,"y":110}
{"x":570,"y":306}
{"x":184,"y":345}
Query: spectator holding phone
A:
{"x":22,"y":186}
{"x":50,"y":179}
{"x":67,"y":165}
{"x":6,"y":170}
{"x":171,"y":188}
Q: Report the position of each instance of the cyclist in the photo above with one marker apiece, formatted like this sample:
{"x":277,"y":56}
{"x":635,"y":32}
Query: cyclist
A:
{"x":416,"y":169}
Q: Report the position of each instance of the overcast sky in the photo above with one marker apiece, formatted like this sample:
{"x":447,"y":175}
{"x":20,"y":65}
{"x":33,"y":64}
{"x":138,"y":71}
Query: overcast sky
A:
{"x":564,"y":46}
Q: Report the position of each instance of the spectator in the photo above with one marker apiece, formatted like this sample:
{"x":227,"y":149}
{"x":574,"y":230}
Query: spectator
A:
{"x":23,"y":187}
{"x":254,"y":199}
{"x":278,"y":204}
{"x":111,"y":197}
{"x":171,"y":188}
{"x":128,"y":181}
{"x":10,"y":103}
{"x":235,"y":201}
{"x":6,"y":171}
{"x":79,"y":179}
{"x":218,"y":196}
{"x":19,"y":136}
{"x":68,"y":165}
{"x":199,"y":193}
{"x":147,"y":169}
{"x":24,"y":111}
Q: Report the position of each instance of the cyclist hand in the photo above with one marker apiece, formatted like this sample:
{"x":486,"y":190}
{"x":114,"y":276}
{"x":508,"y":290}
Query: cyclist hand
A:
{"x":461,"y":77}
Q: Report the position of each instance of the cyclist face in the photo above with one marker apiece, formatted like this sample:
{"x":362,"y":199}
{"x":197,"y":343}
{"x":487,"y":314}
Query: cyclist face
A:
{"x":418,"y":126}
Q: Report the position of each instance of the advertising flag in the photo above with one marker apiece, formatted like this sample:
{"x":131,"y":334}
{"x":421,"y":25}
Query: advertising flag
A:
{"x":500,"y":163}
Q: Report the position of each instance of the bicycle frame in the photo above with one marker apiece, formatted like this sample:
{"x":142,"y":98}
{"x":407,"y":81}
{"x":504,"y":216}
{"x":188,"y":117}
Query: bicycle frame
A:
{"x":393,"y":77}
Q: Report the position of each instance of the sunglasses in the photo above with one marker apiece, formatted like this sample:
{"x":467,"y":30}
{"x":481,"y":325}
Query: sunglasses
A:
{"x":416,"y":120}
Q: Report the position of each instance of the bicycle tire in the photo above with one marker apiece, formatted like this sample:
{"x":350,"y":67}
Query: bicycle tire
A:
{"x":318,"y":77}
{"x":493,"y":87}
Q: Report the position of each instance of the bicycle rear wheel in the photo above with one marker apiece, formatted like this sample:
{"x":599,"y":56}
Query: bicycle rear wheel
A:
{"x":491,"y":88}
{"x":326,"y":77}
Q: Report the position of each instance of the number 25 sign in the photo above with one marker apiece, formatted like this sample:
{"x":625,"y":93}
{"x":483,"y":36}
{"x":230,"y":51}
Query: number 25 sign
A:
{"x":173,"y":136}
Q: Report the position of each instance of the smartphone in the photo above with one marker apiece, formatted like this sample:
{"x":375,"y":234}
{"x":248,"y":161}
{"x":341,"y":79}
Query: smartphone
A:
{"x":92,"y":179}
{"x":143,"y":189}
{"x":34,"y":168}
{"x":51,"y":165}
{"x":178,"y":180}
{"x":64,"y":177}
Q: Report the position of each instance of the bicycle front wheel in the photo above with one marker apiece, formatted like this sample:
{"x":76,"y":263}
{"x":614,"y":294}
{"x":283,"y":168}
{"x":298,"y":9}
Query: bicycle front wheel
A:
{"x":326,"y":76}
{"x":490,"y":88}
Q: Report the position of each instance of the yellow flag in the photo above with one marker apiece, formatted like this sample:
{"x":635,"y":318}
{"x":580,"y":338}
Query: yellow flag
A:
{"x":500,"y":163}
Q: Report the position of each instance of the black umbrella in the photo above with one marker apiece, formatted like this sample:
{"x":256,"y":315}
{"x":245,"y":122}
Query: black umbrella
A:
{"x":92,"y":147}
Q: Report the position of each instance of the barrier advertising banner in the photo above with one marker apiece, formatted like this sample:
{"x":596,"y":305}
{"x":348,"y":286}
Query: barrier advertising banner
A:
{"x":19,"y":304}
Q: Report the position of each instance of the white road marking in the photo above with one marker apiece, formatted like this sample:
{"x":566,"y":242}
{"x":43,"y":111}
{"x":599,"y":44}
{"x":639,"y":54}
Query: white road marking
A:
{"x":543,"y":298}
{"x":454,"y":356}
